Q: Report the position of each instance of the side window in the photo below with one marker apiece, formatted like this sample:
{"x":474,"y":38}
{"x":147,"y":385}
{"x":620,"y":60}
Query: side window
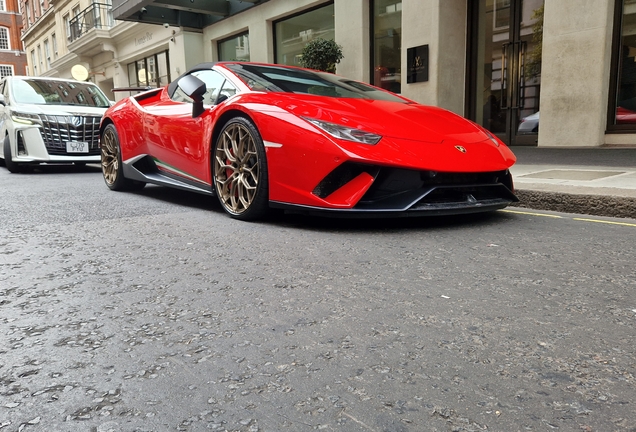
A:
{"x":213,"y":83}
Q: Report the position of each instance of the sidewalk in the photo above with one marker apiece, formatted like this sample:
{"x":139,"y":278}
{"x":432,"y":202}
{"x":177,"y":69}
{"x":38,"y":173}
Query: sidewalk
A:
{"x":595,"y":181}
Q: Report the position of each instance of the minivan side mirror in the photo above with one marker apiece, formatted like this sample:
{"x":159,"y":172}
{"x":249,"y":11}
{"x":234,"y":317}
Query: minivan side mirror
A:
{"x":2,"y":101}
{"x":195,"y":89}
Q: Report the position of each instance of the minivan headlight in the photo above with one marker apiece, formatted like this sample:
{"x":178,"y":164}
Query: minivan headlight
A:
{"x":24,"y":118}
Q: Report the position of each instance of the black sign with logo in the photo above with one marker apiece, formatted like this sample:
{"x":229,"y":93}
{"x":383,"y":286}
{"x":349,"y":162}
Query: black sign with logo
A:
{"x":417,"y":58}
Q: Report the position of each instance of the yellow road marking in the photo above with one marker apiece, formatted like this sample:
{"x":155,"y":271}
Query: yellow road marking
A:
{"x":576,"y":219}
{"x":605,"y":222}
{"x":533,"y":214}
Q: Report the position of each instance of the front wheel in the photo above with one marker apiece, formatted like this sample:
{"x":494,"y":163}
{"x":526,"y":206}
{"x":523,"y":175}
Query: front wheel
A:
{"x":13,"y":167}
{"x":240,"y":170}
{"x":112,"y":167}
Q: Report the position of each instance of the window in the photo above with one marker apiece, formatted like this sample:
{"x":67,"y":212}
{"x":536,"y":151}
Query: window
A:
{"x":292,"y":34}
{"x":214,"y":83}
{"x":4,"y":39}
{"x":42,"y":92}
{"x":291,"y":80}
{"x":34,"y":65}
{"x":27,"y":8}
{"x":67,"y":25}
{"x":6,"y":70}
{"x":54,"y":43}
{"x":47,"y":54}
{"x":502,"y":13}
{"x":236,"y":48}
{"x":622,"y":115}
{"x":151,"y":71}
{"x":387,"y":44}
{"x":40,"y":64}
{"x":3,"y":8}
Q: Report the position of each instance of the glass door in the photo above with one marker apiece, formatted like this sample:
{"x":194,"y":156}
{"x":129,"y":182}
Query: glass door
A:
{"x":505,"y":68}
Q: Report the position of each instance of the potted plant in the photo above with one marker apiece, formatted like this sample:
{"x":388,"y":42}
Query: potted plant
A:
{"x":321,"y":54}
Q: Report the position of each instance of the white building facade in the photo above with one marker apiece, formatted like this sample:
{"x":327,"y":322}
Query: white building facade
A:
{"x":496,"y":62}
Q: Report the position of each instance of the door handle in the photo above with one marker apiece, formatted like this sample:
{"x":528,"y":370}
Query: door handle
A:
{"x":519,"y":78}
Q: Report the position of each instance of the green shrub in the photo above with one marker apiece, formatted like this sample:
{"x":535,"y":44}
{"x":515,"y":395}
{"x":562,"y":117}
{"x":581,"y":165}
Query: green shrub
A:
{"x":321,"y":54}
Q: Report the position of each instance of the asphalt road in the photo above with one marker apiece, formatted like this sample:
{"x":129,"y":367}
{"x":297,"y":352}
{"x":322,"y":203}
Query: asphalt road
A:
{"x":153,"y":311}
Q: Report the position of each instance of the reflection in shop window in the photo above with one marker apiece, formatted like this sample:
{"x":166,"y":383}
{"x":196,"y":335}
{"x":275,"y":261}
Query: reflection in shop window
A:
{"x":387,"y":44}
{"x":626,"y":91}
{"x":502,"y":13}
{"x":236,"y":48}
{"x":292,"y":34}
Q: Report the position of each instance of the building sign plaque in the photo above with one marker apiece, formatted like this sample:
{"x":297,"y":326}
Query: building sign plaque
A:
{"x":417,"y":60}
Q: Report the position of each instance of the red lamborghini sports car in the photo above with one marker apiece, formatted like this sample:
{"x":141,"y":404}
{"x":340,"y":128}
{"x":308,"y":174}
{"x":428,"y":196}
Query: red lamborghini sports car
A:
{"x":261,"y":136}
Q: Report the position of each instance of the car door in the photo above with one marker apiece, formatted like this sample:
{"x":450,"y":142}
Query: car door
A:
{"x":178,"y":141}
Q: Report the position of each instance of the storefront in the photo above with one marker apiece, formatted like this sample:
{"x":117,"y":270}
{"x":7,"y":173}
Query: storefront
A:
{"x":501,"y":63}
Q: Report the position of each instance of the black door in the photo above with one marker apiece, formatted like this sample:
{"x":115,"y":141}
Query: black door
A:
{"x":505,"y":68}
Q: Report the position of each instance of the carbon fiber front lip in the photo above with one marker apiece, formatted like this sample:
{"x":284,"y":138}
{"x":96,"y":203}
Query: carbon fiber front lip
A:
{"x":440,"y":209}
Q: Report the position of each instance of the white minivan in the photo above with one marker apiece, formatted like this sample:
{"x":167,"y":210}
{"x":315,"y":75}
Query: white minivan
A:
{"x":49,"y":120}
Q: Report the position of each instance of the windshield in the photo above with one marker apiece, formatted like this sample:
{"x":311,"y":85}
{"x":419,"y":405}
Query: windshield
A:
{"x":49,"y":92}
{"x":288,"y":80}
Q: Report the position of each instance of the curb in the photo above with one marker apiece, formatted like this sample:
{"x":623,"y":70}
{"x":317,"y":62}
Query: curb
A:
{"x":596,"y":205}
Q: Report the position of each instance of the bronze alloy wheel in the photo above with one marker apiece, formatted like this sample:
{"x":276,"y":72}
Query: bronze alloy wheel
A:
{"x":110,"y":156}
{"x":240,"y":172}
{"x":112,"y":167}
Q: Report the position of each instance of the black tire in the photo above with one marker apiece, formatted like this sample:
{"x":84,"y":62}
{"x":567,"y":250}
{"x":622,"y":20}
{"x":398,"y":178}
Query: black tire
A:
{"x":112,"y":167}
{"x":241,"y":181}
{"x":13,"y":167}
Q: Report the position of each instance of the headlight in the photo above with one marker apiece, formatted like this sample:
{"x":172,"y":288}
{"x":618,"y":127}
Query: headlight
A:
{"x":345,"y":133}
{"x":25,"y":118}
{"x":489,"y":134}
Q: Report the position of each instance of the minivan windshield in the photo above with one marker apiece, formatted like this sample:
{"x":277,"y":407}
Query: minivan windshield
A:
{"x":291,"y":80}
{"x":52,"y":92}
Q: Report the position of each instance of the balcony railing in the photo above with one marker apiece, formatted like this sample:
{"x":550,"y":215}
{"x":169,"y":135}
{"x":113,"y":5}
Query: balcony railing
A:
{"x":96,"y":16}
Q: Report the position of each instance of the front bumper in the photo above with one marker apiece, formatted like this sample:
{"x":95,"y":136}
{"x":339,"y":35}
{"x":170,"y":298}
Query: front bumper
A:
{"x":360,"y":190}
{"x":46,"y":142}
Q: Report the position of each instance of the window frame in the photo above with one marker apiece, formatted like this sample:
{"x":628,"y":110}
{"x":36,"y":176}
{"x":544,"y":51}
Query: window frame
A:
{"x":157,"y":79}
{"x":6,"y":32}
{"x":294,"y":15}
{"x":9,"y":67}
{"x":372,"y":46}
{"x":229,"y":38}
{"x":615,"y":65}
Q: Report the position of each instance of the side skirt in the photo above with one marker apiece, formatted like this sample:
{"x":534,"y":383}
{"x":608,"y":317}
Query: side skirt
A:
{"x":143,"y":168}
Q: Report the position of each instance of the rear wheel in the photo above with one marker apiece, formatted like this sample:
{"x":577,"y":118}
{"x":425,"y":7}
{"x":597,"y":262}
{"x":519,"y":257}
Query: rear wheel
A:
{"x":112,"y":167}
{"x":13,"y":167}
{"x":240,"y":170}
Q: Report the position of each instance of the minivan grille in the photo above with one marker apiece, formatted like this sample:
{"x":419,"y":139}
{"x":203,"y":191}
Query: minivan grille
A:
{"x":57,"y":130}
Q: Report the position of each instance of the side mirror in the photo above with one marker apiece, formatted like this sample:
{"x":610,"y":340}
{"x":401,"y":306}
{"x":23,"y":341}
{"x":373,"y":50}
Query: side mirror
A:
{"x":195,"y":89}
{"x":2,"y":101}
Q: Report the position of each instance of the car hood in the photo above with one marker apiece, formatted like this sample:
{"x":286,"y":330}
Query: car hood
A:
{"x":59,"y":109}
{"x":389,"y":119}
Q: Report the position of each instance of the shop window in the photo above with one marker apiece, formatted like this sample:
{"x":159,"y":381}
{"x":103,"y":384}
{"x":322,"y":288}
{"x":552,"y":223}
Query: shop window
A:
{"x":151,"y":71}
{"x":387,"y":44}
{"x":292,"y":34}
{"x":236,"y":48}
{"x":622,"y":113}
